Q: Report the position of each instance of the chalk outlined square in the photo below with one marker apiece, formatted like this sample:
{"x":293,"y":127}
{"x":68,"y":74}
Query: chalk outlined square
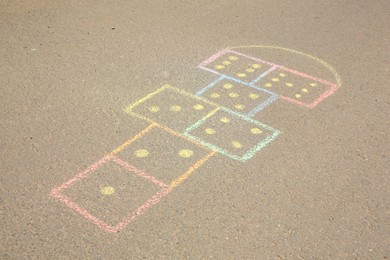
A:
{"x":300,"y":97}
{"x":159,"y":148}
{"x":236,"y":96}
{"x":58,"y":193}
{"x":297,"y":87}
{"x":231,"y":134}
{"x":235,"y":65}
{"x":163,"y":189}
{"x":171,"y":107}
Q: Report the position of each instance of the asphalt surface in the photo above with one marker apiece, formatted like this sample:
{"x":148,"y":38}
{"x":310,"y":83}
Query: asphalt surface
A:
{"x":90,"y":168}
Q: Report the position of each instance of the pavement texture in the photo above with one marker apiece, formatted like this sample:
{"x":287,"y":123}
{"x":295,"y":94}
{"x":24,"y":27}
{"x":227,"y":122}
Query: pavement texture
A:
{"x":195,"y":129}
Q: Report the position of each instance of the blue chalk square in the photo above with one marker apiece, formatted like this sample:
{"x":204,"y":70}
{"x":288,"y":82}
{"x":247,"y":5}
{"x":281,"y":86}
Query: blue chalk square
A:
{"x":237,"y":96}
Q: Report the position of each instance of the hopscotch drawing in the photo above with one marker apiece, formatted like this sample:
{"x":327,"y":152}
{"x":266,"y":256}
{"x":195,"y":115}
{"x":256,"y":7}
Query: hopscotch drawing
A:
{"x":282,"y":82}
{"x":216,"y":119}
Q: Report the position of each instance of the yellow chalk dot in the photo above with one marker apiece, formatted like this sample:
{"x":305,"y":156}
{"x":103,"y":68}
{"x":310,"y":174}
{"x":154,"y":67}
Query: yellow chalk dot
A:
{"x":185,"y":153}
{"x":236,"y":144}
{"x":239,"y":106}
{"x":233,"y":58}
{"x":225,"y":120}
{"x":282,"y":75}
{"x":289,"y":84}
{"x":313,"y":84}
{"x":256,"y":66}
{"x":268,"y":85}
{"x":227,"y":86}
{"x":219,"y":67}
{"x":275,"y":79}
{"x":214,"y":95}
{"x":198,"y":107}
{"x":250,"y":70}
{"x":141,"y":153}
{"x":241,"y":75}
{"x":108,"y":190}
{"x":256,"y":131}
{"x":253,"y":96}
{"x":233,"y":95}
{"x":210,"y":131}
{"x":304,"y":90}
{"x":298,"y":95}
{"x":154,"y":109}
{"x":226,"y":62}
{"x":175,"y":108}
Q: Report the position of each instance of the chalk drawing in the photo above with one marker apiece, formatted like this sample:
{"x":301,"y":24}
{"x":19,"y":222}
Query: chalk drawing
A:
{"x":270,"y":79}
{"x":218,"y":118}
{"x":173,"y":146}
{"x":245,"y":104}
{"x":165,"y":189}
{"x":232,"y":93}
{"x":297,"y":87}
{"x":185,"y":108}
{"x":215,"y":130}
{"x":107,"y":190}
{"x":278,"y":48}
{"x":242,"y":67}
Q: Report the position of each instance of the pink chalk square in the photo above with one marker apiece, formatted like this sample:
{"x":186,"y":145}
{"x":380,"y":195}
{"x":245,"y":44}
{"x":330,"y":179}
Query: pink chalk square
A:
{"x":289,"y":84}
{"x":111,"y":193}
{"x":296,"y":87}
{"x":236,"y":65}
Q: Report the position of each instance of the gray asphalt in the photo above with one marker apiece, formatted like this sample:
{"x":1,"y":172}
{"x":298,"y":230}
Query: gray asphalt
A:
{"x":318,"y":190}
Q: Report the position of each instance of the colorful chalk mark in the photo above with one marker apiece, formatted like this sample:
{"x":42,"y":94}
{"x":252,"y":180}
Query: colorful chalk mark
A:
{"x":296,"y":87}
{"x":244,"y":143}
{"x":58,"y":193}
{"x":108,"y":190}
{"x":236,"y":65}
{"x":239,"y":97}
{"x":186,"y":109}
{"x":279,"y":80}
{"x":193,"y":129}
{"x":123,"y":201}
{"x":164,"y":146}
{"x":329,"y":67}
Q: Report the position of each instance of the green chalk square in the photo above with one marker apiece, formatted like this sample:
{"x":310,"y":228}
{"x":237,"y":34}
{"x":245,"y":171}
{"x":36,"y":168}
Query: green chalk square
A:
{"x":240,"y":138}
